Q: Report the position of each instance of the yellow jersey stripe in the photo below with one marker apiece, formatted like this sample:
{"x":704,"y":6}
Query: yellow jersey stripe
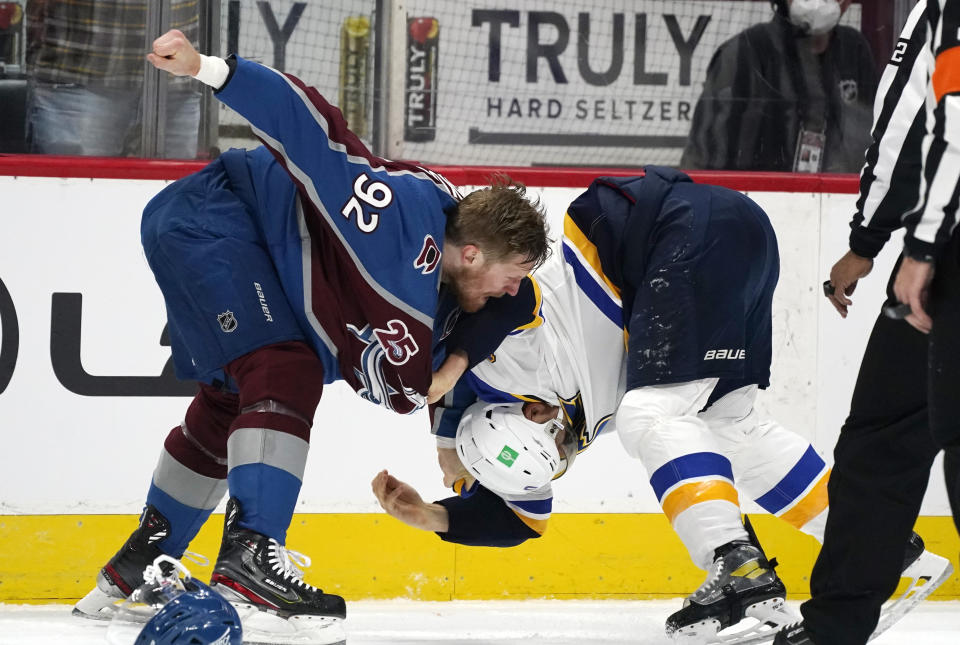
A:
{"x":540,"y":526}
{"x":683,"y":497}
{"x":812,"y":504}
{"x":587,"y":249}
{"x":538,"y":298}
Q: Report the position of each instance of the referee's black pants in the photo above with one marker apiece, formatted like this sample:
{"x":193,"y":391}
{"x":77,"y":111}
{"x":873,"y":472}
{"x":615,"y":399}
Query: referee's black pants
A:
{"x":882,"y":463}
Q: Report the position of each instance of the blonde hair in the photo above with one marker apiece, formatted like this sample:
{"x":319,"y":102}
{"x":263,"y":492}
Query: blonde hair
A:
{"x":502,"y":222}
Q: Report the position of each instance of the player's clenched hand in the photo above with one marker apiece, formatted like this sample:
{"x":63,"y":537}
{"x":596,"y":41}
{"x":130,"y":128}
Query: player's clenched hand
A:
{"x":403,"y":502}
{"x":844,"y":276}
{"x":172,"y":52}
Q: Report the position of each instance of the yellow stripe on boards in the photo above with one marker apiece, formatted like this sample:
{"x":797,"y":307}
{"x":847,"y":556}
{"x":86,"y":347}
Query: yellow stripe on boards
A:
{"x":55,"y":558}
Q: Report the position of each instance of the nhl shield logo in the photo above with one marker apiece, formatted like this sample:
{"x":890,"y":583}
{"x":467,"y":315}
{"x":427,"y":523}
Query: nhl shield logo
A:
{"x":848,"y":90}
{"x":228,"y":322}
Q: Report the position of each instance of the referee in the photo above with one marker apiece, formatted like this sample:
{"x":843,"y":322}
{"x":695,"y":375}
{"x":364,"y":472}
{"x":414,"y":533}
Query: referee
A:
{"x":906,"y":403}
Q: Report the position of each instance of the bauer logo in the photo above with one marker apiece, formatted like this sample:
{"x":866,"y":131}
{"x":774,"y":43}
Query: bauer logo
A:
{"x":420,"y":110}
{"x":507,"y":456}
{"x":263,"y":303}
{"x":725,"y":354}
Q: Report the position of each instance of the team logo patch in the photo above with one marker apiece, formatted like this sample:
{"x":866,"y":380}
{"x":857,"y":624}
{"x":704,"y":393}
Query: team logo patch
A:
{"x":398,"y":345}
{"x":228,"y":322}
{"x":373,"y":375}
{"x":429,"y":256}
{"x":507,"y":456}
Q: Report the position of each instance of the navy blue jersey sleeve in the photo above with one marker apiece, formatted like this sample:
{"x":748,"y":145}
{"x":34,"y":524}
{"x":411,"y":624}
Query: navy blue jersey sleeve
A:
{"x":483,"y":519}
{"x":446,"y":413}
{"x":388,"y":215}
{"x":480,"y":333}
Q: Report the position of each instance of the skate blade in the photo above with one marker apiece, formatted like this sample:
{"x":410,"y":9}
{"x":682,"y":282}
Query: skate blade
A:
{"x":928,"y":572}
{"x":760,"y":624}
{"x":264,"y":628}
{"x":96,"y":605}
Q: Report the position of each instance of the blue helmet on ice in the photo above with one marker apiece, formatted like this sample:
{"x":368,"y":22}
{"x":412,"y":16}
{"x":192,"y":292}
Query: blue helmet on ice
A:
{"x":199,"y":616}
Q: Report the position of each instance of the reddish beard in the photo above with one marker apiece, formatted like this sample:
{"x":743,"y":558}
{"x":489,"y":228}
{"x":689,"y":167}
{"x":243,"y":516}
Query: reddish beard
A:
{"x":465,"y":287}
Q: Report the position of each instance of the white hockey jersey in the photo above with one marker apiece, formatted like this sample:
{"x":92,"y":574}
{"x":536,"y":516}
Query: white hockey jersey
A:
{"x":574,"y":358}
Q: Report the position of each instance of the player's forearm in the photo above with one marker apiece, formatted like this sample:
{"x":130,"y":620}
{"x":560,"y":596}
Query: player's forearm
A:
{"x":435,"y":518}
{"x":447,"y":376}
{"x":483,"y":519}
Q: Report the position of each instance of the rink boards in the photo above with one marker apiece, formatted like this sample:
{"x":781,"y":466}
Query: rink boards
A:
{"x":85,"y":401}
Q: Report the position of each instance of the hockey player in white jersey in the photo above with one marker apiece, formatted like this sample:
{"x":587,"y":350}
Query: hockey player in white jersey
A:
{"x":693,"y":425}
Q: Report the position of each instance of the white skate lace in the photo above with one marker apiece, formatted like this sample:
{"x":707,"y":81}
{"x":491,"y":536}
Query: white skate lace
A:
{"x":153,"y":573}
{"x":287,"y":564}
{"x":712,"y":581}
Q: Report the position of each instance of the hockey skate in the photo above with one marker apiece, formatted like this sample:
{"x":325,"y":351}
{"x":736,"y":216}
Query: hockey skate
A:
{"x":741,"y":585}
{"x":926,"y":570}
{"x":124,"y":572}
{"x":793,"y":635}
{"x":263,"y":581}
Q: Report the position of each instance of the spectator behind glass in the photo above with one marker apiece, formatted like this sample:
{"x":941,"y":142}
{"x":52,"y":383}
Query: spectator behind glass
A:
{"x":793,"y":94}
{"x":86,"y":63}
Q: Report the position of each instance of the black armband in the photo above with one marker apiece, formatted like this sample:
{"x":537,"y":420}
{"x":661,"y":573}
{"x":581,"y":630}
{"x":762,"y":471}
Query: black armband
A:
{"x":483,"y":519}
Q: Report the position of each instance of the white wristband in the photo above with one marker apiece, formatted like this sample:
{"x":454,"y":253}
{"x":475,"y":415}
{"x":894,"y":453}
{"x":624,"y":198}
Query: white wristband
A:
{"x":213,"y":71}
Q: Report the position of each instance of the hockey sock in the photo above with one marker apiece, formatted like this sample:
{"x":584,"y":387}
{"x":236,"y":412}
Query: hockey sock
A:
{"x":279,"y":388}
{"x":267,"y":457}
{"x":188,"y":482}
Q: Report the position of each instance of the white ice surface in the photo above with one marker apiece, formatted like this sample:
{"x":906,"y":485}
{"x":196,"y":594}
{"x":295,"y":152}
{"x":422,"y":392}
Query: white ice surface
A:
{"x":537,"y":622}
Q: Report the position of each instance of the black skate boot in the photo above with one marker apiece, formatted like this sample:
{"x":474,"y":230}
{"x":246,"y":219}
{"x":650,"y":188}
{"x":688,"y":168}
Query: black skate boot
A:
{"x":741,"y":583}
{"x":259,"y":576}
{"x":793,"y":635}
{"x":124,"y":572}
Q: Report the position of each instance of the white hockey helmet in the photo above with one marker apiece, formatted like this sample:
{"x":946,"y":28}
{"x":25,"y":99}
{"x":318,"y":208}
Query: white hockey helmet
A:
{"x":510,"y":454}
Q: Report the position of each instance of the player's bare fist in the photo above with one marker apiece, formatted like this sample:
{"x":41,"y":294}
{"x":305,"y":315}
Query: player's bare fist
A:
{"x":172,"y":52}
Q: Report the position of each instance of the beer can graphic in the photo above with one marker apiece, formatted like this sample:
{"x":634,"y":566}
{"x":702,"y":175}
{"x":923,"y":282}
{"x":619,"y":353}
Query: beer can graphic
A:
{"x":420,"y":109}
{"x":355,"y":73}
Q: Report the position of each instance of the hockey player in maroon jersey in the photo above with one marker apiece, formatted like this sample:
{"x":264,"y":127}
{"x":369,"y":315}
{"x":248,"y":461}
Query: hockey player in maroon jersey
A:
{"x":303,"y":262}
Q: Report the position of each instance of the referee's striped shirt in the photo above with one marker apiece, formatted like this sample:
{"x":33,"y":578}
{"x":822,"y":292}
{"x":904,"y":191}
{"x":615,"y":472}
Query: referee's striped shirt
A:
{"x":930,"y":225}
{"x":891,"y":176}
